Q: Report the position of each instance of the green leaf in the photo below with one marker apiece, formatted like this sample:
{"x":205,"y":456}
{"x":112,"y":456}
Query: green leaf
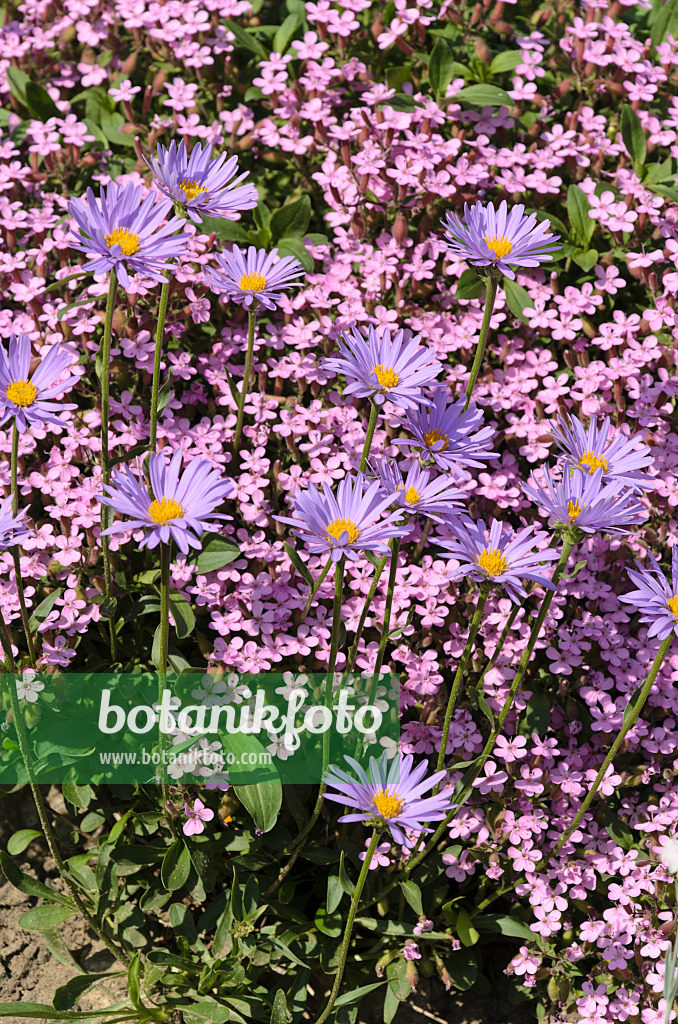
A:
{"x":291,"y":220}
{"x":40,"y":1011}
{"x":665,"y":191}
{"x":183,"y":615}
{"x":263,"y":801}
{"x":111,"y":125}
{"x":68,"y":994}
{"x":517,"y":299}
{"x":538,"y":713}
{"x":660,"y":19}
{"x":79,"y":796}
{"x":164,"y":392}
{"x":506,"y":61}
{"x":17,"y":80}
{"x":469,"y":286}
{"x":39,"y":102}
{"x":176,"y":866}
{"x":329,"y":924}
{"x":346,"y":883}
{"x":335,"y":893}
{"x":226,"y":230}
{"x":217,"y":552}
{"x":356,"y":994}
{"x":280,"y":1014}
{"x":628,"y":710}
{"x":618,"y":830}
{"x":72,"y":305}
{"x":484,"y":96}
{"x":129,"y":455}
{"x":440,"y":67}
{"x":245,"y":39}
{"x":412,"y":894}
{"x":463,"y":968}
{"x":298,"y":564}
{"x":292,"y":245}
{"x":207,"y":1011}
{"x":30,"y":886}
{"x":586,"y":260}
{"x":286,"y":32}
{"x":391,"y":1004}
{"x":504,"y":924}
{"x":634,"y":137}
{"x":465,"y":929}
{"x":134,"y":983}
{"x":21,"y":840}
{"x":45,"y":917}
{"x":578,"y":208}
{"x":575,"y":572}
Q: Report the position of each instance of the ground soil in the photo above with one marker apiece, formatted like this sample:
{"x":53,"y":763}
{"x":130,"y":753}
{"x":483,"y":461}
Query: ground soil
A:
{"x":30,"y":972}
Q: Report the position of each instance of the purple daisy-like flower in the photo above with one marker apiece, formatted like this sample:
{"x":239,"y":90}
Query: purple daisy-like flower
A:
{"x":437,"y":499}
{"x":180,"y":506}
{"x":30,"y":399}
{"x":444,"y":434}
{"x":499,"y":239}
{"x":656,"y":599}
{"x":391,"y":795}
{"x":254,"y":276}
{"x":385,"y":368}
{"x":347,"y":524}
{"x":13,"y":529}
{"x":499,"y":555}
{"x":584,"y":501}
{"x":590,"y":449}
{"x":120,"y":231}
{"x":202,"y":185}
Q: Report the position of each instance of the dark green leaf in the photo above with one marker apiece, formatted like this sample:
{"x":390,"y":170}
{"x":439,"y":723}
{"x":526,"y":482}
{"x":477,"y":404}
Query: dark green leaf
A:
{"x":517,"y":299}
{"x":134,"y":983}
{"x":296,"y":561}
{"x":465,"y":929}
{"x":40,"y":1011}
{"x":335,"y":893}
{"x":39,"y":102}
{"x":506,"y":61}
{"x":164,"y":392}
{"x":412,"y":894}
{"x":291,"y":220}
{"x":21,"y":840}
{"x":356,"y":994}
{"x":346,"y":883}
{"x":504,"y":924}
{"x":68,"y":994}
{"x":263,"y":801}
{"x":660,"y":19}
{"x":226,"y":230}
{"x":484,"y":96}
{"x":79,"y":796}
{"x":292,"y":245}
{"x":217,"y":552}
{"x":176,"y":866}
{"x":280,"y":1014}
{"x":183,"y":615}
{"x":17,"y":81}
{"x":440,"y":67}
{"x":633,"y":137}
{"x":30,"y":886}
{"x":286,"y":32}
{"x":586,"y":260}
{"x":618,"y":830}
{"x":578,"y":208}
{"x":469,"y":286}
{"x":129,"y":455}
{"x":207,"y":1011}
{"x":463,"y":968}
{"x":538,"y":713}
{"x":45,"y":917}
{"x":245,"y":39}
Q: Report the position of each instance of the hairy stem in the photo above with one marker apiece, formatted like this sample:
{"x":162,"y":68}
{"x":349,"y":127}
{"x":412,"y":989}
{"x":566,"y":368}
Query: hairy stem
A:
{"x":16,"y":553}
{"x":251,"y":321}
{"x":490,"y":296}
{"x":159,"y":336}
{"x":371,"y":427}
{"x":105,"y":460}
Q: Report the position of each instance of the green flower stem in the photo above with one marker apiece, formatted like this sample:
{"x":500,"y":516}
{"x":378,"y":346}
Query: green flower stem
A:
{"x":105,"y":461}
{"x":570,"y":538}
{"x":461,"y":669}
{"x":419,"y":550}
{"x":353,"y":653}
{"x":159,"y":336}
{"x":490,"y":296}
{"x":334,"y":648}
{"x":24,"y":749}
{"x":252,"y":317}
{"x":394,"y":544}
{"x":165,"y":559}
{"x":315,"y":588}
{"x":346,"y":941}
{"x":16,"y":553}
{"x":627,"y":725}
{"x":371,"y":427}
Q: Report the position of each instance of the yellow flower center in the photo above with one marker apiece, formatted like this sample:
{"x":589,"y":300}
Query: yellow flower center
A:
{"x":592,"y":462}
{"x":127,"y":240}
{"x":192,"y":188}
{"x":673,"y":606}
{"x":162,"y":511}
{"x":412,"y":496}
{"x":574,"y":509}
{"x":431,"y":437}
{"x":493,"y":562}
{"x":386,"y":376}
{"x":22,"y":393}
{"x":386,"y":805}
{"x":252,"y":282}
{"x":339,"y":526}
{"x":500,"y":246}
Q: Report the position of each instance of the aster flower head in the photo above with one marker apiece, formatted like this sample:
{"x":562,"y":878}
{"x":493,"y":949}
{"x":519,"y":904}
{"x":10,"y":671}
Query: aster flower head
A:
{"x":437,"y":499}
{"x":13,"y":529}
{"x":202,"y":185}
{"x":620,"y":458}
{"x":181,"y":507}
{"x":499,"y":239}
{"x":347,"y":524}
{"x":389,"y":795}
{"x":385,"y":368}
{"x":120,"y":231}
{"x":585,"y":502}
{"x":498,"y":555}
{"x":656,"y":599}
{"x":29,"y":399}
{"x":254,"y":276}
{"x":444,"y":434}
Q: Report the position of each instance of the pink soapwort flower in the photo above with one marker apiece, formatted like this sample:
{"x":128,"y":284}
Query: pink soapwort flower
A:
{"x":196,"y":816}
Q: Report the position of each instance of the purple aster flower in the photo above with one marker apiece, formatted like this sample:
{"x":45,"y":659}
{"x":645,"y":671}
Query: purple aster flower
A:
{"x":620,"y":458}
{"x":583,"y":501}
{"x":29,"y":399}
{"x":438,"y":499}
{"x":655,"y":598}
{"x":443,"y":434}
{"x":253,"y":277}
{"x":384,"y":368}
{"x":498,"y":238}
{"x":121,"y":232}
{"x":203,"y":186}
{"x":390,"y":795}
{"x":499,"y":555}
{"x":345,"y":525}
{"x":13,"y":529}
{"x":179,"y":507}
